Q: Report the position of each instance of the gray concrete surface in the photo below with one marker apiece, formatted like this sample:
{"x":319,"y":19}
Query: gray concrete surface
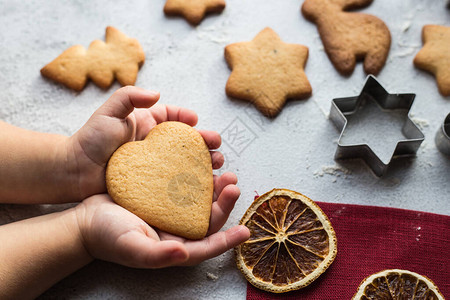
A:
{"x":186,"y":64}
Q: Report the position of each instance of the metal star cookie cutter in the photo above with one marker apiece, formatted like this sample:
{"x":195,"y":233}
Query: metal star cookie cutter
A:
{"x":443,"y":137}
{"x":343,"y":107}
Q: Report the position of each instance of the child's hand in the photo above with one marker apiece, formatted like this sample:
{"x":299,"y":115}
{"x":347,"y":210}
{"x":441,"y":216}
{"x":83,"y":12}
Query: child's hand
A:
{"x":112,"y":233}
{"x":117,"y":122}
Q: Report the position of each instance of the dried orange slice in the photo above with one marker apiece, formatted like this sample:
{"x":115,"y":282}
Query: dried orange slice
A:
{"x":291,"y":242}
{"x":397,"y":284}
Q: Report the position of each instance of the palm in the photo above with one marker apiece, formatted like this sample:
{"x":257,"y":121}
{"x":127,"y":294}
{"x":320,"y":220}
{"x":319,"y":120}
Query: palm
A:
{"x":107,"y":229}
{"x":114,"y":234}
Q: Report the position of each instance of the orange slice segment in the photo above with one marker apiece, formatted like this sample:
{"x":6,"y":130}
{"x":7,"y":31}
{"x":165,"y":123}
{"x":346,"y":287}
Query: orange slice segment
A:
{"x":291,"y":242}
{"x":397,"y":284}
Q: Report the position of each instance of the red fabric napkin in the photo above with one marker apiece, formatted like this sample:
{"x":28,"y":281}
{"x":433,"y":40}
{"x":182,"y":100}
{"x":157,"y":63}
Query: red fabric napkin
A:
{"x":371,"y":239}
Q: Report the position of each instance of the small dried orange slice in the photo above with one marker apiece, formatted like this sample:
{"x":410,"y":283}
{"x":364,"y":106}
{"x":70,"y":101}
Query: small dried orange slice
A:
{"x":397,"y":284}
{"x":291,"y":242}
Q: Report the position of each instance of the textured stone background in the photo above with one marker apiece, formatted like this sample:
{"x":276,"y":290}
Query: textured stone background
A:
{"x":186,"y":64}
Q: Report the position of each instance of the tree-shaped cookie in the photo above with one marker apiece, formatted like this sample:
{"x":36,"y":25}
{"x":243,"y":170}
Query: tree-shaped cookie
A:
{"x":118,"y":57}
{"x":193,"y":10}
{"x":434,"y":57}
{"x":349,"y":36}
{"x":266,"y":71}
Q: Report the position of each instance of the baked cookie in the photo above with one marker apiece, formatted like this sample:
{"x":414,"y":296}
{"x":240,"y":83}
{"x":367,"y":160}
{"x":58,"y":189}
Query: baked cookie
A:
{"x":120,"y":57}
{"x":349,"y":36}
{"x":434,"y":57}
{"x":267,"y":71}
{"x":193,"y":10}
{"x":166,"y":179}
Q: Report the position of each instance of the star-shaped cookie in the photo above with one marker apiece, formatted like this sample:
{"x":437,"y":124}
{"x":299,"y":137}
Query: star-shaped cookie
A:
{"x":193,"y":10}
{"x":434,"y":57}
{"x":266,"y":71}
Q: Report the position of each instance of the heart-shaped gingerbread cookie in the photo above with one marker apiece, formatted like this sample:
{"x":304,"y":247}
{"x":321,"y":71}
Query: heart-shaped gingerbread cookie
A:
{"x":166,"y":179}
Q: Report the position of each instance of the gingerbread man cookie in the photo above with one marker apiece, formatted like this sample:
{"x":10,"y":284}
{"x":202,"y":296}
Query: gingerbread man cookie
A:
{"x":434,"y":57}
{"x":193,"y":10}
{"x":267,"y":71}
{"x":349,"y":36}
{"x":119,"y":57}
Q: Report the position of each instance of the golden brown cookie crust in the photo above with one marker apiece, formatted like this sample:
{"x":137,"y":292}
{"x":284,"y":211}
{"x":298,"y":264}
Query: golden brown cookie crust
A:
{"x":166,"y":179}
{"x":118,"y":57}
{"x":266,"y":71}
{"x":193,"y":10}
{"x":349,"y":36}
{"x":434,"y":57}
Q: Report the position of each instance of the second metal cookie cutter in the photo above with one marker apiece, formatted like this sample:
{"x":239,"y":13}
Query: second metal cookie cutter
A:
{"x":442,"y":138}
{"x":342,"y":107}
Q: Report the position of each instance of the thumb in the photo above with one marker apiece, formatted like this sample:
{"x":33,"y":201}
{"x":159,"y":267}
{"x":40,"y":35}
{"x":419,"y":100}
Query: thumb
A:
{"x":123,"y":101}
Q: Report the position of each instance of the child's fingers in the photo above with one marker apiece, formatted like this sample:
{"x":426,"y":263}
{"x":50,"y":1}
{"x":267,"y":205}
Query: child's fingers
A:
{"x":123,"y":101}
{"x":163,"y":113}
{"x":222,"y":207}
{"x":216,"y":244}
{"x":145,"y":123}
{"x":212,"y":138}
{"x":222,"y":181}
{"x":147,"y":119}
{"x":137,"y":250}
{"x":217,"y":159}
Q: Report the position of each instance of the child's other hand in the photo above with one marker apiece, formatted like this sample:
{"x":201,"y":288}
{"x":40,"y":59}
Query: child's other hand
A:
{"x":112,"y":233}
{"x":117,"y":122}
